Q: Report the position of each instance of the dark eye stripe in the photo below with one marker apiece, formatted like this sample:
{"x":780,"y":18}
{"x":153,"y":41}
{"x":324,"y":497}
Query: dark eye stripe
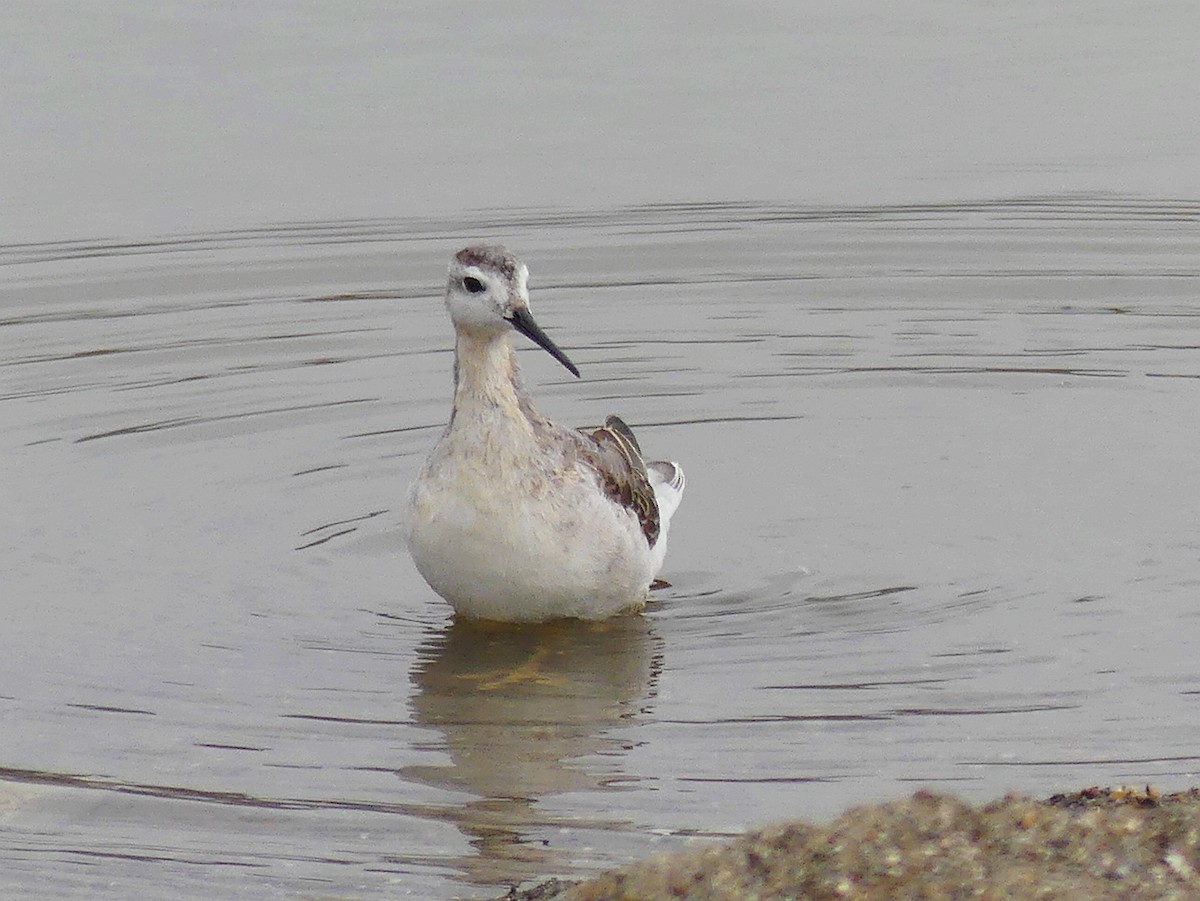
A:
{"x":472,"y":284}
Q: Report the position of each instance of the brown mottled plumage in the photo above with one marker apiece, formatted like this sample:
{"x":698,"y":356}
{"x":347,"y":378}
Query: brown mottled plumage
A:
{"x":622,"y":472}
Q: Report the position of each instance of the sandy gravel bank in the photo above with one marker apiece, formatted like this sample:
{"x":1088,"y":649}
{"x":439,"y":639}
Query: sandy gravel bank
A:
{"x":1096,"y":844}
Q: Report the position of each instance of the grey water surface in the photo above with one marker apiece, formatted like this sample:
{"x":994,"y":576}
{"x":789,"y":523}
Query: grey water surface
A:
{"x":911,"y":293}
{"x":939,"y":531}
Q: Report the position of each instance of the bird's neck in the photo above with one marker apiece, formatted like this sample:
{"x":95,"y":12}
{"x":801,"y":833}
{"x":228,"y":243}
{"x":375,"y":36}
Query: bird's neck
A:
{"x":486,"y":378}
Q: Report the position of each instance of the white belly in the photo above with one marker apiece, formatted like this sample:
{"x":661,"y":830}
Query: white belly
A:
{"x":501,"y":551}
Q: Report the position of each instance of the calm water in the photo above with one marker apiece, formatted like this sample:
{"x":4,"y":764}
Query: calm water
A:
{"x":939,"y":531}
{"x":940,"y":526}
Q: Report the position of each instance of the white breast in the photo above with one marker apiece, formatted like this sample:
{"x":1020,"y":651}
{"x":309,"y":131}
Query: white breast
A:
{"x":526,"y":551}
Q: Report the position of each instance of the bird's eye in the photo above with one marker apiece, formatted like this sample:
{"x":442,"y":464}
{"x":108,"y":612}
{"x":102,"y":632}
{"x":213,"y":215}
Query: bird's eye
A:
{"x":472,"y":284}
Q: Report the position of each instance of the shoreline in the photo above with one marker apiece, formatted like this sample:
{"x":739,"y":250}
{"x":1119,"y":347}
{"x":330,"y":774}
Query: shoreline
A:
{"x":1096,"y":844}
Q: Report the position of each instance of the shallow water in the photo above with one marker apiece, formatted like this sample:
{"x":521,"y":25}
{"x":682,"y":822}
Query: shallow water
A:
{"x":939,"y":530}
{"x":940,"y":524}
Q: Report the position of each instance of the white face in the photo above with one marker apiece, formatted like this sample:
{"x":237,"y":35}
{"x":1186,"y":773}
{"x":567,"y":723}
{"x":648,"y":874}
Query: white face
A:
{"x":482,"y":298}
{"x":488,"y":294}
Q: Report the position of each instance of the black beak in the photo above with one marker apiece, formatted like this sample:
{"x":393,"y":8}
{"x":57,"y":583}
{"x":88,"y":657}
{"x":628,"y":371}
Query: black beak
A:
{"x":522,"y":321}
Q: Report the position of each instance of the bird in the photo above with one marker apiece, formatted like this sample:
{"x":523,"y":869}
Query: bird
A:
{"x":516,"y":518}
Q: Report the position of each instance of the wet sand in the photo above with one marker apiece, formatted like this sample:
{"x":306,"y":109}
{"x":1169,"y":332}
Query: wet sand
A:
{"x":1096,"y":844}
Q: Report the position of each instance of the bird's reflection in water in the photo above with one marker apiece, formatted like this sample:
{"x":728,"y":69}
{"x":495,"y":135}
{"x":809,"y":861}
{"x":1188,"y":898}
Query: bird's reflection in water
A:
{"x":518,"y":707}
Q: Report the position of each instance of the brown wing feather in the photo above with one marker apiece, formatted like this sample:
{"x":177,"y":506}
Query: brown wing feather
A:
{"x":618,"y":461}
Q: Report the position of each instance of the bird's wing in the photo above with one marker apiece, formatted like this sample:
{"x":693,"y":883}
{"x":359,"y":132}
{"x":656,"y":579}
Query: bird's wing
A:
{"x":617,"y":459}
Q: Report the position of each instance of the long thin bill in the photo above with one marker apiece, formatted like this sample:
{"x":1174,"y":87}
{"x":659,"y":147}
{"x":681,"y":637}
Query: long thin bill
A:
{"x":522,"y":321}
